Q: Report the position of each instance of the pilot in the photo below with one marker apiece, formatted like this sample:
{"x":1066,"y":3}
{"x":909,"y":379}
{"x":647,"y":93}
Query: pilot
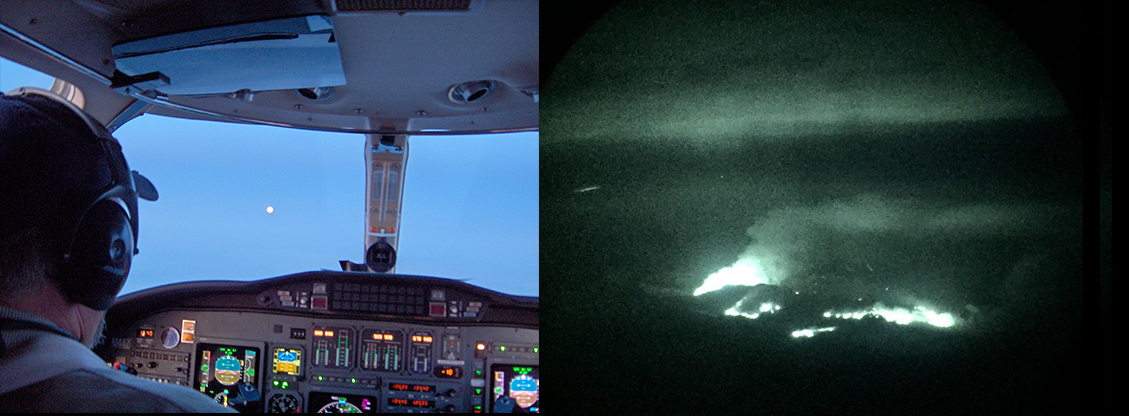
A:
{"x":68,"y":223}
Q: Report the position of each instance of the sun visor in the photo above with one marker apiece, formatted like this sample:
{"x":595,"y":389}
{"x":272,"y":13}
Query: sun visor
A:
{"x":298,"y":52}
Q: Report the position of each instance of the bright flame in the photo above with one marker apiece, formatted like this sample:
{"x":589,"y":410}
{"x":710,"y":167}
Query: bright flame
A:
{"x":810,"y":332}
{"x":902,"y":316}
{"x":764,"y":308}
{"x":735,"y":311}
{"x":746,"y":272}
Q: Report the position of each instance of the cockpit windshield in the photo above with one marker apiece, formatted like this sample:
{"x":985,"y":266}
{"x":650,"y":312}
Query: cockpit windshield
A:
{"x":243,"y":202}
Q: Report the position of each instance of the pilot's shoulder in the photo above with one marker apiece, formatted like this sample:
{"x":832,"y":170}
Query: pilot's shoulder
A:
{"x":106,"y":390}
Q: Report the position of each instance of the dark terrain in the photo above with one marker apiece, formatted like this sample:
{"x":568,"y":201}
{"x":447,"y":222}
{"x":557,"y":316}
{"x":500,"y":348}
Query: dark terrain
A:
{"x":664,"y":218}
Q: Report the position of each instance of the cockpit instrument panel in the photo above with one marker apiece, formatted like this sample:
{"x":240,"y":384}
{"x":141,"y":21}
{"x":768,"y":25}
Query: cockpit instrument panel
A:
{"x":259,"y":357}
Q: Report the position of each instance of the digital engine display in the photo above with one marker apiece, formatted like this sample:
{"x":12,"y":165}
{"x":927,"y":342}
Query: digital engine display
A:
{"x":411,"y":402}
{"x":519,"y":382}
{"x":421,"y":388}
{"x":221,"y":368}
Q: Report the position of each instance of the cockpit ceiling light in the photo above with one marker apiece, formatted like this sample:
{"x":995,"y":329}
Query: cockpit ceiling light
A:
{"x":469,"y":92}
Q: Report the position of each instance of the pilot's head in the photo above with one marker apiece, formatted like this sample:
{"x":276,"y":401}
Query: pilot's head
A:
{"x":68,"y":210}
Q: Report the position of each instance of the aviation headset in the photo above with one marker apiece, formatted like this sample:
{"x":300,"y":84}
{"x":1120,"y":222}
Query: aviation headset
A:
{"x":93,"y":240}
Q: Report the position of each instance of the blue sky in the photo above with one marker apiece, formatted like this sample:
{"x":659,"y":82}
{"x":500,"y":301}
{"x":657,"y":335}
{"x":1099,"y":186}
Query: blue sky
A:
{"x":470,"y":210}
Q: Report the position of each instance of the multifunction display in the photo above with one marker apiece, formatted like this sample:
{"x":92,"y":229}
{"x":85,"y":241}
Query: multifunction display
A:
{"x":519,"y":382}
{"x":341,"y":403}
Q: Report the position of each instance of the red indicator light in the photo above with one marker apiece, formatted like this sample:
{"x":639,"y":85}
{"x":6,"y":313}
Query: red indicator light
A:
{"x":481,"y":347}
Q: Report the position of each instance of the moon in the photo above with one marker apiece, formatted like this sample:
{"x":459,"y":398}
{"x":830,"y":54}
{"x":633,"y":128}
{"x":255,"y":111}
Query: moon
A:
{"x":270,"y":209}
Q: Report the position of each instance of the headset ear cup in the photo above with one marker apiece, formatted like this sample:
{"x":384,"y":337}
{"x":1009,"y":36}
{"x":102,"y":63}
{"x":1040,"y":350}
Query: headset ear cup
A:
{"x":100,"y":257}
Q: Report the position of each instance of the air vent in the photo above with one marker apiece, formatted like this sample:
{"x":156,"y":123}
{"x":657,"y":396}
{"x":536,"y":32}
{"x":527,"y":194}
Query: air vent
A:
{"x":402,"y":5}
{"x":316,"y":94}
{"x":469,"y":92}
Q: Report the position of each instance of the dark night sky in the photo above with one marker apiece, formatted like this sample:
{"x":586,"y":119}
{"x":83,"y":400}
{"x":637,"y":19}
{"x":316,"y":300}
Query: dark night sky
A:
{"x":718,"y":71}
{"x":908,"y":153}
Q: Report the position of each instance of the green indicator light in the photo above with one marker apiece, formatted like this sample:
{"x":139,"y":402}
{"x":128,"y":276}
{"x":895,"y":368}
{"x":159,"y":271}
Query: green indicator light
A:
{"x":320,"y":378}
{"x":534,"y":349}
{"x":477,"y":407}
{"x":275,"y":383}
{"x":285,"y":385}
{"x":354,"y":380}
{"x":477,"y":372}
{"x":250,"y":371}
{"x":502,"y":347}
{"x":477,"y":390}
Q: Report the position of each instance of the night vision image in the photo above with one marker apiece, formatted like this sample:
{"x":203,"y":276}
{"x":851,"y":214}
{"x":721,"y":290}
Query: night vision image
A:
{"x":810,"y":207}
